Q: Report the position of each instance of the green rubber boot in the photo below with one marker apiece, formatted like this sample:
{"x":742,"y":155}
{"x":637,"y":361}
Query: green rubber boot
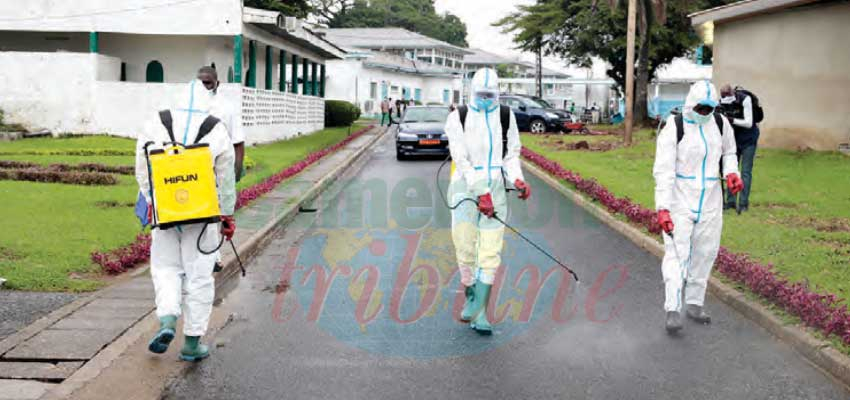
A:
{"x":164,"y":336}
{"x":469,"y":306}
{"x":193,"y":350}
{"x":480,"y":322}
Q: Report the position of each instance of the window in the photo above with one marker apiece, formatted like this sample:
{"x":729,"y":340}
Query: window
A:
{"x":154,"y":72}
{"x":373,"y":90}
{"x":511,"y":102}
{"x":426,"y":114}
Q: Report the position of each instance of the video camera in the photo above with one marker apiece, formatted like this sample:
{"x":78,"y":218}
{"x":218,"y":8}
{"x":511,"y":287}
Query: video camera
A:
{"x":730,"y":111}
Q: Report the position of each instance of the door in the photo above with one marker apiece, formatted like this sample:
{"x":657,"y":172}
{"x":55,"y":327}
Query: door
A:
{"x":384,"y":90}
{"x":417,"y":95}
{"x":521,"y":116}
{"x":446,"y":96}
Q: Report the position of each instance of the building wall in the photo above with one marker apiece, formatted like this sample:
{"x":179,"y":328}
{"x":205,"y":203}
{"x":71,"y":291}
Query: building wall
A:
{"x":48,"y":90}
{"x":180,"y":56}
{"x":80,"y":93}
{"x":351,"y":81}
{"x":212,"y":17}
{"x":797,"y":62}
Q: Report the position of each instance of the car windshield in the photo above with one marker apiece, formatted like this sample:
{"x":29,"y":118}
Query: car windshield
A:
{"x":426,"y":114}
{"x":533,"y":104}
{"x":544,"y":103}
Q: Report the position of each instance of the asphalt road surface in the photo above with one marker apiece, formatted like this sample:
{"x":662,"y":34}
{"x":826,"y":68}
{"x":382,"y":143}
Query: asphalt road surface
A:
{"x":357,"y":301}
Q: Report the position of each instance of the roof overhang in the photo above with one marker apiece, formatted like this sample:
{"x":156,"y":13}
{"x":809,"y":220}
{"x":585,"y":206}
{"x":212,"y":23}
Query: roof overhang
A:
{"x":743,"y":9}
{"x":292,"y":31}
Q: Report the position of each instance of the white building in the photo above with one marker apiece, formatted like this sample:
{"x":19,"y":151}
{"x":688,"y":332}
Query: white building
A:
{"x":519,"y":77}
{"x":107,"y":66}
{"x":672,"y":83}
{"x":393,"y":63}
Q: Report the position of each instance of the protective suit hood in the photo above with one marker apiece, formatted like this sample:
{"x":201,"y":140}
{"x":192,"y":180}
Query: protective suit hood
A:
{"x":484,"y":91}
{"x":702,"y":92}
{"x":189,"y":109}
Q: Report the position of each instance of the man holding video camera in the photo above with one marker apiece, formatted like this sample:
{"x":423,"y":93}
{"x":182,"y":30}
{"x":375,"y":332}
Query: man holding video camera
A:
{"x":741,"y":107}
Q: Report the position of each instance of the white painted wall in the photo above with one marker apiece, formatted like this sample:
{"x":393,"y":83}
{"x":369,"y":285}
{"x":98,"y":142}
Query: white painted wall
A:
{"x":177,"y":17}
{"x":62,"y":92}
{"x":350,"y":80}
{"x":180,"y":56}
{"x":48,"y":90}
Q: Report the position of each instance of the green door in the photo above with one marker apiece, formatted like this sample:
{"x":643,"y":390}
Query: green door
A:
{"x":154,"y":72}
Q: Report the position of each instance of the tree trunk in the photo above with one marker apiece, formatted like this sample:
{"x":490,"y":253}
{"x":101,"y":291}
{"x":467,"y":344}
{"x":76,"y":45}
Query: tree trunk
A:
{"x":642,"y":67}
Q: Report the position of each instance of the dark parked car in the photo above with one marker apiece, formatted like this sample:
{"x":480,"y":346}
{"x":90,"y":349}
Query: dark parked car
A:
{"x":422,"y":131}
{"x":535,"y":116}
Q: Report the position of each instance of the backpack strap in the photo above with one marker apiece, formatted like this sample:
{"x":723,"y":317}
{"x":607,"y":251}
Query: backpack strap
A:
{"x":505,"y":119}
{"x":719,"y":120}
{"x":680,"y":127}
{"x":165,"y":118}
{"x":461,"y":111}
{"x":206,"y":126}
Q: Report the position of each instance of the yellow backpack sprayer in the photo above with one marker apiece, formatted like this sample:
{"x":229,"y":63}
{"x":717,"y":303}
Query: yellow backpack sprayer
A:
{"x":182,"y":182}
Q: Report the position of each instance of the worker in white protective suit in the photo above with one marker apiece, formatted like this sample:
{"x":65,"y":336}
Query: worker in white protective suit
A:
{"x":177,"y":265}
{"x":484,"y":156}
{"x":689,"y":201}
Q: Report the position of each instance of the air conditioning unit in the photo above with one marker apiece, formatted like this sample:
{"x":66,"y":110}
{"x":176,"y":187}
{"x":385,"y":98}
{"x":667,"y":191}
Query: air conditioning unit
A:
{"x":291,"y":24}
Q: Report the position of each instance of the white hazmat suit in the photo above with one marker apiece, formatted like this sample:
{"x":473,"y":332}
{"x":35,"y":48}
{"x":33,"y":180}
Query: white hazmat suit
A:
{"x":478,"y":165}
{"x":176,"y":263}
{"x":687,"y":184}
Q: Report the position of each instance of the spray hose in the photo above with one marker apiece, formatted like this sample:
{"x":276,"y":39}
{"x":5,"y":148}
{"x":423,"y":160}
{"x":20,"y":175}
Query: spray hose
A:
{"x":220,"y":242}
{"x":497,"y":218}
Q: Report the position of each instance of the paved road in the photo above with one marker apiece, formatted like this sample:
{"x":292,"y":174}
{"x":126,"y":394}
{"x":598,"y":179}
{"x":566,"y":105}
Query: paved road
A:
{"x":379,"y":324}
{"x":19,"y":309}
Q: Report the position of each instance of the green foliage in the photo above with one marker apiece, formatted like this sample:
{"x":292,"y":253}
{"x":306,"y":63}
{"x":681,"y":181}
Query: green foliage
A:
{"x":798,"y":219}
{"x":577,"y":30}
{"x":293,"y":8}
{"x":504,"y":71}
{"x":413,"y":15}
{"x":340,"y":113}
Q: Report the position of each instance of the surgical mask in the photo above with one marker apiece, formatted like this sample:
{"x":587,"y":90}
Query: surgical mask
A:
{"x":701,"y":119}
{"x":727,"y":100}
{"x":485,"y":100}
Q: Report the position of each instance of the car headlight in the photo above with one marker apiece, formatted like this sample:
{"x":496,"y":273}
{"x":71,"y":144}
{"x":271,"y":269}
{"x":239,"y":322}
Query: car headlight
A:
{"x":408,"y":136}
{"x":552,"y":115}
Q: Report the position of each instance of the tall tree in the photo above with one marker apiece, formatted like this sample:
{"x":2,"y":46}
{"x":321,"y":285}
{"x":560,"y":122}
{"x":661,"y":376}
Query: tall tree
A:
{"x":533,"y":27}
{"x":414,"y":15}
{"x":294,"y":8}
{"x":578,"y":30}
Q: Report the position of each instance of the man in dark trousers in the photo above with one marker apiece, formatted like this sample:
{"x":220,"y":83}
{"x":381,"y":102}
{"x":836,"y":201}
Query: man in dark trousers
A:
{"x":740,"y":106}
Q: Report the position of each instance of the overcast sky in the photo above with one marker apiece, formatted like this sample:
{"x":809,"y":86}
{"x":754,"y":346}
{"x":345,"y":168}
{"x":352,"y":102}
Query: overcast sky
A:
{"x":479,"y":14}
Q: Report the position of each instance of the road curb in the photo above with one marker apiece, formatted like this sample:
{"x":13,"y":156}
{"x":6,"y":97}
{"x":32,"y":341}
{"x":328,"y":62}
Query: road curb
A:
{"x":818,"y":352}
{"x":93,"y":368}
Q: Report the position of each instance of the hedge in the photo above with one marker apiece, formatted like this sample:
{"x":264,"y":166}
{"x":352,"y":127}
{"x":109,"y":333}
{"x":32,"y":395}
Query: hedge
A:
{"x":340,"y":113}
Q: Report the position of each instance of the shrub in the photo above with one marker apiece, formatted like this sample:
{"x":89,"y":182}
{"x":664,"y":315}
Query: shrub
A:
{"x":340,"y":113}
{"x":53,"y":176}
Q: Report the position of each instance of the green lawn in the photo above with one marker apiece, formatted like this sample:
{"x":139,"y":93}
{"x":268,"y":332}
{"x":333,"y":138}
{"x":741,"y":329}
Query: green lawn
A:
{"x":51,"y":229}
{"x":799,"y":218}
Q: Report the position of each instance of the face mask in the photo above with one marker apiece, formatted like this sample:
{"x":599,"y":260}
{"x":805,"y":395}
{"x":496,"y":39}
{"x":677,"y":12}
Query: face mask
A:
{"x":484,"y":104}
{"x":728,"y":100}
{"x":701,"y":119}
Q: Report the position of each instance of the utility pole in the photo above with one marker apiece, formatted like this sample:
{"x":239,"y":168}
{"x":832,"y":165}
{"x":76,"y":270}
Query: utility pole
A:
{"x":630,"y":73}
{"x":539,"y":68}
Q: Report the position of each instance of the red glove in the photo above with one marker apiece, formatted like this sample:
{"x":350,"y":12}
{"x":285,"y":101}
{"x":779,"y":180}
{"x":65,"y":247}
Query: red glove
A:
{"x":150,"y":214}
{"x":524,"y":189}
{"x":664,"y":221}
{"x":485,"y":205}
{"x":734,"y":183}
{"x":228,"y":226}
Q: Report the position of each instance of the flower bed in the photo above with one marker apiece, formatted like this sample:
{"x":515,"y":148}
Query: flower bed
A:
{"x":121,"y":259}
{"x":49,"y":175}
{"x":824,"y":312}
